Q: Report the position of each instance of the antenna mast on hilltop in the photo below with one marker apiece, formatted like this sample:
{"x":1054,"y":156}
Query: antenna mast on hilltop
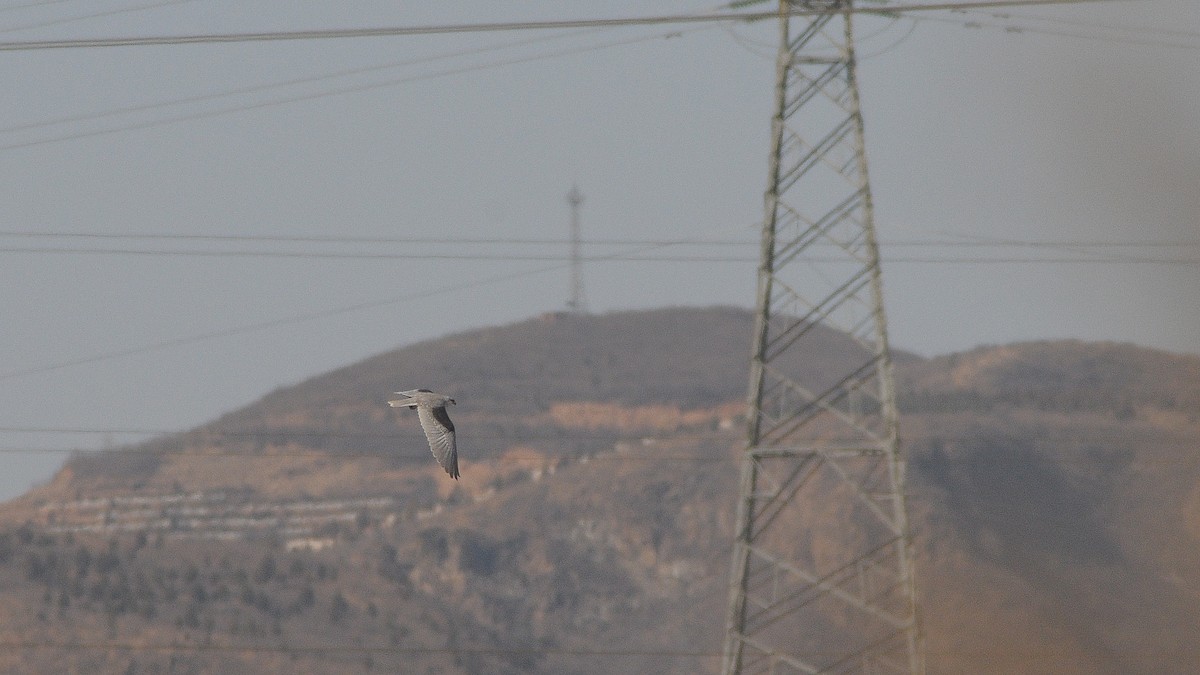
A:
{"x":577,"y":303}
{"x":822,"y":576}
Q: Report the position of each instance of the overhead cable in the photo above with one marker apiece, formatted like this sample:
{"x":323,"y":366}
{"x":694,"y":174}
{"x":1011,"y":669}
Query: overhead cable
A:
{"x":501,"y":26}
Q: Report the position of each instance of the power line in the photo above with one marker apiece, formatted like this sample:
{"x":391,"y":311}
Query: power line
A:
{"x":333,"y":92}
{"x":264,"y":325}
{"x":1126,"y":28}
{"x":299,"y":318}
{"x":362,"y":255}
{"x":952,"y":240}
{"x":208,"y":433}
{"x":406,"y":434}
{"x":630,"y":255}
{"x":490,"y":27}
{"x":37,"y":3}
{"x":72,"y":19}
{"x":499,"y":257}
{"x":566,"y":434}
{"x":346,"y":649}
{"x":1051,"y":653}
{"x":420,"y":454}
{"x":1004,"y":22}
{"x":316,"y":95}
{"x":285,"y":83}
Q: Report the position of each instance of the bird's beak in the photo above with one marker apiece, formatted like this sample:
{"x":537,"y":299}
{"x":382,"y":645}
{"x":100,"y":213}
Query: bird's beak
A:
{"x":453,"y":402}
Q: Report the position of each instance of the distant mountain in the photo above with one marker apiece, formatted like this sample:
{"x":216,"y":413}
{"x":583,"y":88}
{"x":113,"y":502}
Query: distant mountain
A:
{"x":507,"y":380}
{"x":1065,"y":375}
{"x":1054,"y":495}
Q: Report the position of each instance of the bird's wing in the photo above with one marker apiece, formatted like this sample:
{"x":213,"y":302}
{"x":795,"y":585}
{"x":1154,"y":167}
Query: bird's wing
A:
{"x":439,"y":430}
{"x":402,"y":402}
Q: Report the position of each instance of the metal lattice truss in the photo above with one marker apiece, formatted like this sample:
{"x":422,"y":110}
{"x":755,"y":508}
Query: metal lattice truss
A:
{"x":822,"y":578}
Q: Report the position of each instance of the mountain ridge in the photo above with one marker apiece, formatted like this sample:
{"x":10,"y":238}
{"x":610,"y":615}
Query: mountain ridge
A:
{"x":591,"y":529}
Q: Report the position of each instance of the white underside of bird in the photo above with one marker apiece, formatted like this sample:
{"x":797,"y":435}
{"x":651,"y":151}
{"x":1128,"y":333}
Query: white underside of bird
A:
{"x":439,"y":430}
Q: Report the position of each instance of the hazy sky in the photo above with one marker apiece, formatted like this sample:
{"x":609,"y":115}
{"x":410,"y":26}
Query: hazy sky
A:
{"x":1065,"y":134}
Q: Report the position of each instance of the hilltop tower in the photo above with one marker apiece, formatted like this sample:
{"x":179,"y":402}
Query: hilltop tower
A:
{"x":822,"y":577}
{"x":577,"y":303}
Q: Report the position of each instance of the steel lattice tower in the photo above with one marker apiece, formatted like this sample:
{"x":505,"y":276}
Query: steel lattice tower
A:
{"x":822,"y":577}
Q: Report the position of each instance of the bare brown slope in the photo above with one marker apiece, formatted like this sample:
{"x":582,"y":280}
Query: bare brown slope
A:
{"x":1065,"y":375}
{"x":507,"y":380}
{"x":1056,"y":484}
{"x":682,"y":356}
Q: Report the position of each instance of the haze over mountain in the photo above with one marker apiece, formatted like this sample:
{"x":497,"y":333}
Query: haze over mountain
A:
{"x":1054,"y":496}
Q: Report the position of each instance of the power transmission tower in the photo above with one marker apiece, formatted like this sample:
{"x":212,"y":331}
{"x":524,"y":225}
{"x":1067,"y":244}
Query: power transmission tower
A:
{"x":822,"y":577}
{"x":577,"y":302}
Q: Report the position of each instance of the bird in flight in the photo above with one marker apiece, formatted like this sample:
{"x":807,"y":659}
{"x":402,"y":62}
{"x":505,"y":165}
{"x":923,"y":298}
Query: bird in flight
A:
{"x":439,"y":430}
